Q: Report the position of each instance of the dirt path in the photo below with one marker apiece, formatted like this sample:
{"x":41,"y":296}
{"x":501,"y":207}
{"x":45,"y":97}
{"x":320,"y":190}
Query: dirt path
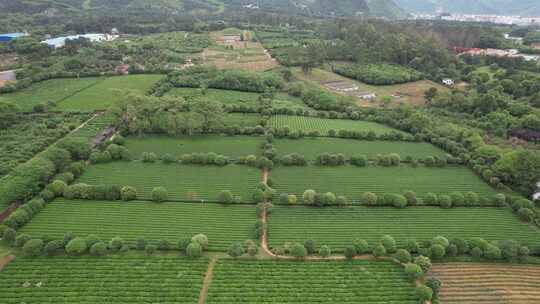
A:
{"x":207,"y":281}
{"x":5,"y":261}
{"x":9,"y":210}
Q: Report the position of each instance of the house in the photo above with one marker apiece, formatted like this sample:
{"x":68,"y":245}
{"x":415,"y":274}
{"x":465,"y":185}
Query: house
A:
{"x":448,"y":82}
{"x":231,"y":38}
{"x":11,"y":36}
{"x":342,"y":86}
{"x":122,"y":69}
{"x":59,"y":42}
{"x":367,"y":96}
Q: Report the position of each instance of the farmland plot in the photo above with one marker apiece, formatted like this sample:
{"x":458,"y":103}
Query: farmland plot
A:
{"x":338,"y":227}
{"x":107,"y":92}
{"x":232,"y":146}
{"x":226,"y":97}
{"x":323,"y":125}
{"x":353,"y":181}
{"x":313,"y":147}
{"x":94,"y":127}
{"x":309,"y":282}
{"x":87,"y":280}
{"x":468,"y":283}
{"x":183,"y":182}
{"x":223,"y":225}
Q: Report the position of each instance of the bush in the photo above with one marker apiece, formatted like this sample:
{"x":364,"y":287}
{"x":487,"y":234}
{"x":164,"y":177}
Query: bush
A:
{"x":499,"y":200}
{"x":493,"y":252}
{"x":225,"y":196}
{"x":359,"y":160}
{"x":412,"y":246}
{"x":150,"y":249}
{"x":9,"y":235}
{"x":291,"y":199}
{"x":309,"y":197}
{"x":128,"y":193}
{"x":403,"y":256}
{"x":350,"y":252}
{"x":414,"y":271}
{"x":411,"y":197}
{"x":159,"y":194}
{"x":399,"y":201}
{"x":163,"y":245}
{"x":194,"y":250}
{"x":526,"y":215}
{"x":21,"y":240}
{"x":311,"y":246}
{"x":58,"y":187}
{"x":98,"y":249}
{"x":440,"y":240}
{"x":76,"y":246}
{"x":33,"y":247}
{"x":437,"y":251}
{"x":379,"y":250}
{"x":236,"y":250}
{"x":202,"y":240}
{"x":369,"y":199}
{"x":324,"y":251}
{"x":423,"y":293}
{"x":389,"y":243}
{"x":445,"y":201}
{"x":53,"y":247}
{"x":431,"y":199}
{"x":140,"y":244}
{"x":361,"y":246}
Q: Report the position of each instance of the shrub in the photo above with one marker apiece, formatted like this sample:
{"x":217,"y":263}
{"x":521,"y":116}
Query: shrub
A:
{"x":21,"y":240}
{"x":526,"y":215}
{"x":91,"y":240}
{"x":53,"y":247}
{"x":194,"y":250}
{"x":298,"y":250}
{"x":424,"y":263}
{"x":128,"y":193}
{"x":163,"y":245}
{"x":399,"y":201}
{"x":350,"y":252}
{"x":200,"y":239}
{"x":414,"y":271}
{"x":309,"y":197}
{"x":435,"y":286}
{"x":437,"y":251}
{"x":236,"y":250}
{"x":423,"y":293}
{"x":159,"y":194}
{"x":445,"y":201}
{"x":379,"y":250}
{"x":431,"y":199}
{"x":291,"y":199}
{"x":225,"y":196}
{"x":150,"y":249}
{"x":493,"y":252}
{"x":116,"y":244}
{"x":471,"y":198}
{"x":324,"y":251}
{"x":411,"y":197}
{"x":140,"y":244}
{"x":403,"y":256}
{"x":76,"y":246}
{"x":440,"y":240}
{"x":359,"y":160}
{"x":389,"y":243}
{"x":361,"y":246}
{"x":499,"y":200}
{"x":412,"y":246}
{"x":457,"y":199}
{"x":58,"y":187}
{"x":369,"y":199}
{"x":33,"y":247}
{"x":183,"y":244}
{"x":311,"y":246}
{"x":98,"y":249}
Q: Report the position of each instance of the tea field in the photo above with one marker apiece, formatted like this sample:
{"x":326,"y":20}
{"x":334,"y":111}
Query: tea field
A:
{"x":152,"y":221}
{"x":338,"y":227}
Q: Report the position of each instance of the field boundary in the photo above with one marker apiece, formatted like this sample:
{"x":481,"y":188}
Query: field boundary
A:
{"x":207,"y":280}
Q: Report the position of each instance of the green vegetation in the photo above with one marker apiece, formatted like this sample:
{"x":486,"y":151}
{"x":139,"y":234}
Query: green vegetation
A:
{"x":338,"y":227}
{"x":152,"y":221}
{"x":226,"y":97}
{"x":94,"y":127}
{"x":49,"y":92}
{"x":353,"y":181}
{"x":323,"y":125}
{"x":309,"y":282}
{"x":107,"y":92}
{"x":102,"y":280}
{"x":378,"y":74}
{"x":232,"y":146}
{"x":184,"y":182}
{"x":313,"y":147}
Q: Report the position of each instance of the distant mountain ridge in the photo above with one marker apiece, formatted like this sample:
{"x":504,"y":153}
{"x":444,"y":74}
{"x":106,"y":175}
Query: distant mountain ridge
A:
{"x":530,"y":8}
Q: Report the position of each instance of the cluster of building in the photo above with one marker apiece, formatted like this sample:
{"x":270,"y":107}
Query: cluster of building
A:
{"x":511,"y":20}
{"x":510,"y":53}
{"x":59,"y":42}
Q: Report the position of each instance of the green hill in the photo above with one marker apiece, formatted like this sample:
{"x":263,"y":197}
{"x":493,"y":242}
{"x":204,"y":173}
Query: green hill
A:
{"x":500,"y":7}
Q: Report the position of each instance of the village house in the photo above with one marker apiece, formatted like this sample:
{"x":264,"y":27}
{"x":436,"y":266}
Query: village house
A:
{"x":367,"y":95}
{"x":448,"y":82}
{"x":122,"y":69}
{"x":11,"y":36}
{"x":342,"y":86}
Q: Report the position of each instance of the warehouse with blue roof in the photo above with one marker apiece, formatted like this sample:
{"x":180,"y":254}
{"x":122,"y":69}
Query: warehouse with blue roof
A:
{"x":11,"y":36}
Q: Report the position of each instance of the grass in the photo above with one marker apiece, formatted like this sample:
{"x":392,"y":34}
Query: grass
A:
{"x":183,"y":182}
{"x":54,"y":90}
{"x":313,"y":147}
{"x":233,"y":146}
{"x":107,"y":92}
{"x":353,"y":181}
{"x":338,"y":227}
{"x":309,"y":282}
{"x":323,"y":125}
{"x":222,"y":224}
{"x":87,"y":279}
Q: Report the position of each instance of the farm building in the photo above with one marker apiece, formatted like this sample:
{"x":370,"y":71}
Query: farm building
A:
{"x":59,"y":42}
{"x":11,"y":36}
{"x":367,"y":95}
{"x":342,"y":86}
{"x":448,"y":82}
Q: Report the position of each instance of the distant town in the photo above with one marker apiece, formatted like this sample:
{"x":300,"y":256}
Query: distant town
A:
{"x":510,"y":20}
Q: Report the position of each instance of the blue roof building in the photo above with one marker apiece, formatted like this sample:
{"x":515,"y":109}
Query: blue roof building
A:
{"x":11,"y":36}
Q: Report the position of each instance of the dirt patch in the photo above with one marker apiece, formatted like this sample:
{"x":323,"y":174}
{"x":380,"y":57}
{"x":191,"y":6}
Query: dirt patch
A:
{"x":5,"y":261}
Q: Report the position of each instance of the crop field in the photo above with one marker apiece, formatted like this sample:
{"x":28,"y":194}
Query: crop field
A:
{"x":183,"y":182}
{"x":488,"y":283}
{"x":54,"y":91}
{"x":94,"y":127}
{"x":242,"y":120}
{"x":226,"y":97}
{"x":323,"y":125}
{"x":353,"y":181}
{"x":107,"y":92}
{"x":338,"y":227}
{"x":313,"y":147}
{"x":86,"y":279}
{"x":232,"y":146}
{"x":309,"y":282}
{"x":223,"y":225}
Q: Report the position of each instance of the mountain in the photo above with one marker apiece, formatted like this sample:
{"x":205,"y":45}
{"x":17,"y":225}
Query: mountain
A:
{"x":529,"y":8}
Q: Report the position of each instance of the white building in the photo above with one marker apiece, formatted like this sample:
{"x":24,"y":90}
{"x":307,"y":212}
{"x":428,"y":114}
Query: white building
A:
{"x":59,"y":42}
{"x":448,"y":82}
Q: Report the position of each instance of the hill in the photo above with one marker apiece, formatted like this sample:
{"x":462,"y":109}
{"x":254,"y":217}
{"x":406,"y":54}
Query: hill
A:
{"x":499,"y":7}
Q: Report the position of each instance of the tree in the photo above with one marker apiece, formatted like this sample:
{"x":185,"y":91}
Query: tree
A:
{"x":58,"y":187}
{"x":21,"y":240}
{"x":424,"y":263}
{"x":298,"y":251}
{"x":403,"y":256}
{"x":389,"y":243}
{"x":430,"y":94}
{"x":493,"y":252}
{"x":399,"y":201}
{"x":9,"y":235}
{"x":33,"y":247}
{"x":8,"y":114}
{"x":324,"y":251}
{"x":291,"y":199}
{"x":116,"y":244}
{"x":150,"y":249}
{"x":194,"y":250}
{"x":236,"y":250}
{"x":128,"y":193}
{"x":379,"y":250}
{"x":200,"y":239}
{"x":159,"y":194}
{"x":369,"y":199}
{"x":445,"y":201}
{"x":414,"y":271}
{"x":350,"y":252}
{"x":361,"y":246}
{"x":309,"y":197}
{"x":423,"y":293}
{"x":435,"y":286}
{"x":53,"y":247}
{"x":311,"y":246}
{"x":225,"y":196}
{"x":437,"y":251}
{"x":441,"y":240}
{"x":98,"y":249}
{"x":76,"y":246}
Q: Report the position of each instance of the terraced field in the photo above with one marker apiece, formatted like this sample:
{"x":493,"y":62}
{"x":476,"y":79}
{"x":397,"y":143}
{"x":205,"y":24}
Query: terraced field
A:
{"x":323,"y":125}
{"x":309,"y":282}
{"x":232,"y":146}
{"x":223,"y":225}
{"x":62,"y":279}
{"x":353,"y":181}
{"x":313,"y":147}
{"x":468,"y":283}
{"x":338,"y":227}
{"x":107,"y":92}
{"x":226,"y":97}
{"x":54,"y":90}
{"x":183,"y":182}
